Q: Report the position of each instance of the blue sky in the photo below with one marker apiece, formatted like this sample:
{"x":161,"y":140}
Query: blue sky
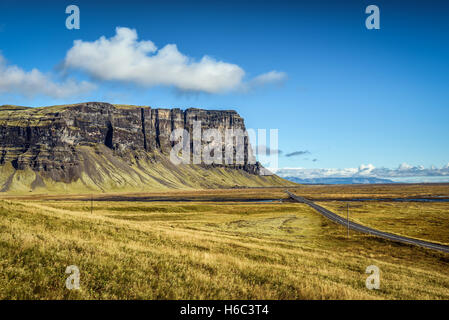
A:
{"x":348,"y":96}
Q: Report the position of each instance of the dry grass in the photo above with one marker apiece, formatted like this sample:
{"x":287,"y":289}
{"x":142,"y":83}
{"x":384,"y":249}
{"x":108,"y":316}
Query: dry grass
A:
{"x":175,"y":250}
{"x":313,"y":192}
{"x":428,"y":221}
{"x":102,"y":172}
{"x":387,"y":191}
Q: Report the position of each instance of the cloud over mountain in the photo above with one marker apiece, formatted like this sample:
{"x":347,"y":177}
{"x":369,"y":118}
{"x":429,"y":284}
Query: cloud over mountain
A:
{"x":403,"y":172}
{"x":125,"y":58}
{"x":268,"y":78}
{"x":15,"y":80}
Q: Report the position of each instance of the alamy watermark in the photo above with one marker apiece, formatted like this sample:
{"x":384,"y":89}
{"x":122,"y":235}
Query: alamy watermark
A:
{"x":73,"y":281}
{"x":73,"y":20}
{"x":373,"y":280}
{"x":373,"y":20}
{"x":231,"y":146}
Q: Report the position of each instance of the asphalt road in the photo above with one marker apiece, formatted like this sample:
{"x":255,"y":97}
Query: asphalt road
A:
{"x":358,"y":227}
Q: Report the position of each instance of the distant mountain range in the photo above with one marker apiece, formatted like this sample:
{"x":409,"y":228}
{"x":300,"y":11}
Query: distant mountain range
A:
{"x":348,"y":180}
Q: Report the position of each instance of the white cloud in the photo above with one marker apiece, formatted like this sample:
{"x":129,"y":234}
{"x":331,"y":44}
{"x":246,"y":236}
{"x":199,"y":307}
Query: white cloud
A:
{"x":15,"y":80}
{"x":404,"y":166}
{"x":365,"y":169}
{"x":404,"y":172}
{"x":125,"y":58}
{"x":270,"y":77}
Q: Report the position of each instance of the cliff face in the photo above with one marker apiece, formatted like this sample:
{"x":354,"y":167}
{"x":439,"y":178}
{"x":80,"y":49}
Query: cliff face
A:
{"x":53,"y":140}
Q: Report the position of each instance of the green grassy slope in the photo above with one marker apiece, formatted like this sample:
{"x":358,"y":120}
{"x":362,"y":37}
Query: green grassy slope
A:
{"x":140,"y":250}
{"x":101,"y":171}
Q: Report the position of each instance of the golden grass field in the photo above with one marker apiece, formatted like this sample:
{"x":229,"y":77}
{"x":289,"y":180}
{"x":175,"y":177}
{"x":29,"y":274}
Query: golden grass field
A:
{"x":426,"y":221}
{"x":219,"y":250}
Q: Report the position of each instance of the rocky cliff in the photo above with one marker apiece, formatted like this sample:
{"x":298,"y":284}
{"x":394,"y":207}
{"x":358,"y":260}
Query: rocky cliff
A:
{"x":102,"y":146}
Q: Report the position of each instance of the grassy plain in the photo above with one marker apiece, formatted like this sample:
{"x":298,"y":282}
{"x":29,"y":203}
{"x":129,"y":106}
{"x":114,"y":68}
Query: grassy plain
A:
{"x":378,"y":191}
{"x":204,"y":250}
{"x":427,"y":221}
{"x":313,"y":192}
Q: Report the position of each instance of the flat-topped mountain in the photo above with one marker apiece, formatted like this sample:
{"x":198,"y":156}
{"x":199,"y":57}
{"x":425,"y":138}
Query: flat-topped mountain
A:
{"x":103,"y":147}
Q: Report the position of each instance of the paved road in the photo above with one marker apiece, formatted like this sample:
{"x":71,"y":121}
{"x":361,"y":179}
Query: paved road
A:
{"x":358,"y":227}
